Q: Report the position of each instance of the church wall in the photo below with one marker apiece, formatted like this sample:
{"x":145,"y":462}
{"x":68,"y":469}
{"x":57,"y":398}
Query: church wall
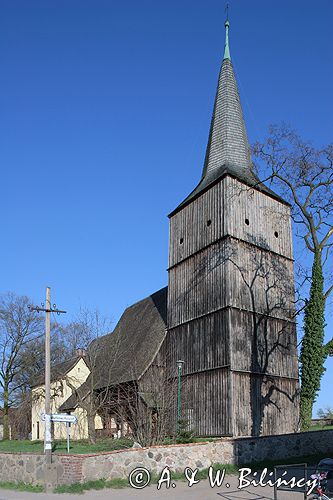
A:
{"x":263,"y":345}
{"x":189,"y":229}
{"x":264,"y":405}
{"x":230,"y":273}
{"x":254,"y":217}
{"x":231,"y":314}
{"x":230,"y":208}
{"x":206,"y":403}
{"x":203,"y":343}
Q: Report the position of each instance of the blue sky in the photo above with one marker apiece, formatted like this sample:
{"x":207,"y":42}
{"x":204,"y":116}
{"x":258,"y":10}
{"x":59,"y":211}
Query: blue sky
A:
{"x":105,"y":112}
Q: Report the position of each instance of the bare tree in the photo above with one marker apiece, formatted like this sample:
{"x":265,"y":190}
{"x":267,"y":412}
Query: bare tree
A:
{"x":303,"y":175}
{"x":325,"y":413}
{"x":32,"y":356}
{"x":87,"y":333}
{"x":142,"y":406}
{"x":147,"y":407}
{"x":18,"y":325}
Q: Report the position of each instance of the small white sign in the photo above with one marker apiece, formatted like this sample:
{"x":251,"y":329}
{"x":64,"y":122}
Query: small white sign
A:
{"x":61,"y":417}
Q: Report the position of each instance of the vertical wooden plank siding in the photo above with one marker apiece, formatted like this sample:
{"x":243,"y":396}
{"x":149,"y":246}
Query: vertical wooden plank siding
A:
{"x":230,"y":273}
{"x":205,"y":349}
{"x":254,"y":411}
{"x":231,"y":311}
{"x":227,"y":205}
{"x":207,"y":394}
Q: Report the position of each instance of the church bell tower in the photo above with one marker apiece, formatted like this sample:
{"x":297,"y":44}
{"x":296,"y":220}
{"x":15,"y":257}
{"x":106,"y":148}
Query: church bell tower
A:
{"x":231,"y":315}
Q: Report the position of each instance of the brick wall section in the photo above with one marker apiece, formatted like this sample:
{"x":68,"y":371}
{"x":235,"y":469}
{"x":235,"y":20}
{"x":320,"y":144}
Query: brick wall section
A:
{"x":71,"y":468}
{"x":80,"y":468}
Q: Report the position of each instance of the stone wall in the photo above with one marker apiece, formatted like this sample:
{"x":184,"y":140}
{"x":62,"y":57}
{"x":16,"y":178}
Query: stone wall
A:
{"x":322,"y":421}
{"x":283,"y":446}
{"x":176,"y":457}
{"x":80,"y":468}
{"x":18,"y":467}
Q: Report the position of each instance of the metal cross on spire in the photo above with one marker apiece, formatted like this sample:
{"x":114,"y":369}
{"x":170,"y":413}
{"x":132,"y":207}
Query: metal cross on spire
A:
{"x":226,"y":10}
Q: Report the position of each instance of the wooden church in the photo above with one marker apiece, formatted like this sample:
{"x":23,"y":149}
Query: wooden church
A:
{"x":231,"y":315}
{"x":228,"y":311}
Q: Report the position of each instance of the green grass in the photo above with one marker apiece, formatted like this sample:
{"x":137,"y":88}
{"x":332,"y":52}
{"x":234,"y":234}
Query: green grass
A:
{"x":320,"y":427}
{"x":80,"y":447}
{"x":98,"y":484}
{"x":17,"y":446}
{"x":7,"y":485}
{"x":174,"y":440}
{"x":102,"y":445}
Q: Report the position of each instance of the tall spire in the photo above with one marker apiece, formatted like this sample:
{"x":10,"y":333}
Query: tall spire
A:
{"x":228,"y":146}
{"x":228,"y":150}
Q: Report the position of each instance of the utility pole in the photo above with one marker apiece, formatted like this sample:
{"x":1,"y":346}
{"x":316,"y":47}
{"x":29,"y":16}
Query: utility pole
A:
{"x":48,"y":433}
{"x":47,"y":309}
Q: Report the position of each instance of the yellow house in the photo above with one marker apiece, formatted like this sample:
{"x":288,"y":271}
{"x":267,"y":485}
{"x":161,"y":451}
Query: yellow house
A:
{"x":76,"y":372}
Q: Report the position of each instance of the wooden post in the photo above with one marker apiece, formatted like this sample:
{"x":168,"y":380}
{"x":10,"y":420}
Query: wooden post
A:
{"x":48,"y":433}
{"x":68,"y":429}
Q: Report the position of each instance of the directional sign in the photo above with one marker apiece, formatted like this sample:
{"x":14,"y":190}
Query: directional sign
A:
{"x":61,"y":417}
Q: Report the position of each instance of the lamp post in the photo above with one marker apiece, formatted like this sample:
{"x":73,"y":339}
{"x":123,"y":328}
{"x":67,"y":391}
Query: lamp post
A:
{"x":179,"y":369}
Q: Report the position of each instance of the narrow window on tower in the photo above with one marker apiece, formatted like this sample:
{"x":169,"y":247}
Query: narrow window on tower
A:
{"x":181,"y":241}
{"x":247,"y":222}
{"x":209,"y":222}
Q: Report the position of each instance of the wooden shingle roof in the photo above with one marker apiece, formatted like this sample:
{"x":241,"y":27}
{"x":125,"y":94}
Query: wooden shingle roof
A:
{"x":126,"y":353}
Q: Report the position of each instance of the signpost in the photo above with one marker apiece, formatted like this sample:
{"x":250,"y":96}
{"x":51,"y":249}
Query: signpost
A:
{"x":62,"y":418}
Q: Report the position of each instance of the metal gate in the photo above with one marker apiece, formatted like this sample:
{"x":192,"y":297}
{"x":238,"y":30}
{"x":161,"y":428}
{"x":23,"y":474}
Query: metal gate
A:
{"x":288,"y":473}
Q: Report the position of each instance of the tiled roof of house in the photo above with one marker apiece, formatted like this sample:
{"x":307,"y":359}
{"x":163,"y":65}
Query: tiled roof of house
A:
{"x":58,"y":371}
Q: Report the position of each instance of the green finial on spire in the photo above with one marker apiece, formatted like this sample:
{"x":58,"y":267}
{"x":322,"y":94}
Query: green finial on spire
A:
{"x":226,"y":46}
{"x":226,"y":24}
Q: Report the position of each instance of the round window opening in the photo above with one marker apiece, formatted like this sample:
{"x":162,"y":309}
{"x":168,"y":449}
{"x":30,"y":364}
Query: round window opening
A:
{"x":247,"y":222}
